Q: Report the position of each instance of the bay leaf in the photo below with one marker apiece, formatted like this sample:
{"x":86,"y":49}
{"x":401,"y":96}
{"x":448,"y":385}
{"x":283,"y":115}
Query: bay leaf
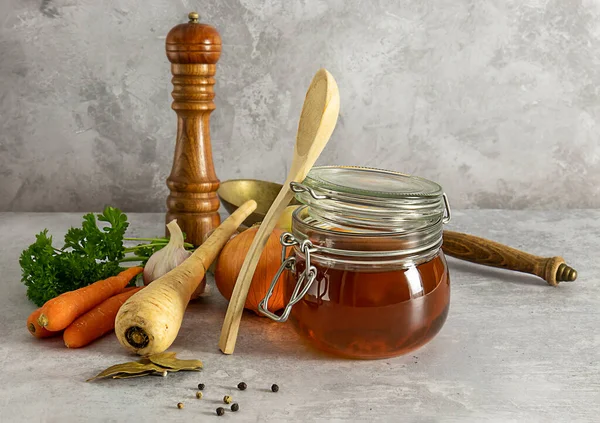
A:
{"x":129,"y":376}
{"x":166,"y":354}
{"x":152,"y":364}
{"x":132,"y":367}
{"x":173,"y":364}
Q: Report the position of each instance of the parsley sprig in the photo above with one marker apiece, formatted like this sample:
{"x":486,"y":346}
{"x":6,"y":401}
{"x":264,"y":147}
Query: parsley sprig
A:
{"x":90,"y":253}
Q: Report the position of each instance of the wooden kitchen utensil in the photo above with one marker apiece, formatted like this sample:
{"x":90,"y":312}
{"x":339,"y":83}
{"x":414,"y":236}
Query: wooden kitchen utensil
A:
{"x":489,"y":253}
{"x":317,"y":121}
{"x":193,"y":50}
{"x":458,"y":245}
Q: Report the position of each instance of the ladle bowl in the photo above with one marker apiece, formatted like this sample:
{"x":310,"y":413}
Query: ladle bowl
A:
{"x":235,"y":192}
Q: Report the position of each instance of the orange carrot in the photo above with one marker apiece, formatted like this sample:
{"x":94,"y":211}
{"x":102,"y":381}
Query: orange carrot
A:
{"x":64,"y":309}
{"x":129,"y":288}
{"x":96,"y":322}
{"x":41,"y":332}
{"x":34,"y":327}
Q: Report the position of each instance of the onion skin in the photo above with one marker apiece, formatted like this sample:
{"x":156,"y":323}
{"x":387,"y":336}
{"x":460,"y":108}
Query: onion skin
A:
{"x":230,"y":263}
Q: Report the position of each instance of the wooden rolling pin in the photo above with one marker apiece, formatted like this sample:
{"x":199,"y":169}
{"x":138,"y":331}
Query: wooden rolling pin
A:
{"x":489,"y":253}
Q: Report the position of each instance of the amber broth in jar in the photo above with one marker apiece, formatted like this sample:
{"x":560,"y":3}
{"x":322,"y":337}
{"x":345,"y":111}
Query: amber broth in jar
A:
{"x":373,"y":314}
{"x":366,"y":277}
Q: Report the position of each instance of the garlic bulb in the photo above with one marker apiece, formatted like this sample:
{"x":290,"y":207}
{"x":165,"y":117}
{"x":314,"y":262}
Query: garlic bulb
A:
{"x":167,"y":258}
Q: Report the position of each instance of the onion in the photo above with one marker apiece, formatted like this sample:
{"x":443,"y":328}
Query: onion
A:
{"x":230,"y":263}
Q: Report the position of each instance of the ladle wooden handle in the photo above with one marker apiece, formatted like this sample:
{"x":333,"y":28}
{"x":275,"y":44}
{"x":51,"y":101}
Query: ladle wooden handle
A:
{"x":490,"y":253}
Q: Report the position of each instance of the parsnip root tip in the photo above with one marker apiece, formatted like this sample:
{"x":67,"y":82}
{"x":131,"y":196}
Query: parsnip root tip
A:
{"x":137,"y":337}
{"x":149,"y":321}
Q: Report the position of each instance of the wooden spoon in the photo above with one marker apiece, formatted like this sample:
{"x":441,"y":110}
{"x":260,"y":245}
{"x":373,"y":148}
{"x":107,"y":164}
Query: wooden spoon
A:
{"x":317,"y":121}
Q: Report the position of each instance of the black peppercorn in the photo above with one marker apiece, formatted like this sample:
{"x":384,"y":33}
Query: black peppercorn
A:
{"x":200,"y":386}
{"x":242,"y":386}
{"x":235,"y":406}
{"x":220,"y":411}
{"x":274,"y":388}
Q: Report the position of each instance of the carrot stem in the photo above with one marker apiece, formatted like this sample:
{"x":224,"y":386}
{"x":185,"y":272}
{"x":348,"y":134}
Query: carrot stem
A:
{"x":159,"y":241}
{"x":133,"y":259}
{"x":146,"y":239}
{"x":137,"y":247}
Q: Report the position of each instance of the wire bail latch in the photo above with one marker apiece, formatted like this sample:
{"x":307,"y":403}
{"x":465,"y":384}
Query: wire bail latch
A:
{"x":305,"y":280}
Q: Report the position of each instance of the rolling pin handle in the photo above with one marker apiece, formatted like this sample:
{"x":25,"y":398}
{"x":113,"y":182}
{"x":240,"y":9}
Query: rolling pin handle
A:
{"x":490,"y":253}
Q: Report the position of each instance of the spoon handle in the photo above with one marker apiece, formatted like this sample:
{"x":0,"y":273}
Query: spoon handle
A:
{"x":317,"y":121}
{"x":235,"y":309}
{"x":490,"y":253}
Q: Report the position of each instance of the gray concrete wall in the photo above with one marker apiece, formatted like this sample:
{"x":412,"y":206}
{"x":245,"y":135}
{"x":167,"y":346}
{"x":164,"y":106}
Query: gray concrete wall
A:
{"x":496,"y":100}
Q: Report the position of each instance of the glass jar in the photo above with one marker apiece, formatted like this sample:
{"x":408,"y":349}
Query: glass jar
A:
{"x":366,"y":276}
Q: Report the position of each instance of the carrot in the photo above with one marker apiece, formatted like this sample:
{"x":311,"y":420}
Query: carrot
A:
{"x":34,"y":327}
{"x":149,"y":321}
{"x":65,"y":308}
{"x":96,"y":322}
{"x":129,"y":288}
{"x":41,"y":332}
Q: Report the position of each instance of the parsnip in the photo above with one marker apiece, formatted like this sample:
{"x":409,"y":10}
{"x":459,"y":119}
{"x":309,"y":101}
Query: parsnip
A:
{"x":149,"y":321}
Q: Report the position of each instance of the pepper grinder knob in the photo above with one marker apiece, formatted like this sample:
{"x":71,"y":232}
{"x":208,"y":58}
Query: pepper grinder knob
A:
{"x":193,"y":49}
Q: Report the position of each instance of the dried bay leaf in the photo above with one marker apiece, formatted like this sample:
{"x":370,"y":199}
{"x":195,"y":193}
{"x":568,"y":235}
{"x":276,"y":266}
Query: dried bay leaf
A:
{"x":173,"y":364}
{"x":149,"y":365}
{"x":132,"y":367}
{"x":129,"y":376}
{"x":166,"y":354}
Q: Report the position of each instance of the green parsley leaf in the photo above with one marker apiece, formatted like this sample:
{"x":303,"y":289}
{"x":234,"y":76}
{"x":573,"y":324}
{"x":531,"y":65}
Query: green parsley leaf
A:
{"x":89,"y":254}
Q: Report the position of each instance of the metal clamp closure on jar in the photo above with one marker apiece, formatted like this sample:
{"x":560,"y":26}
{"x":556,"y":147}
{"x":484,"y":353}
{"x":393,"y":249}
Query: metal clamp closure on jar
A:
{"x":309,"y":275}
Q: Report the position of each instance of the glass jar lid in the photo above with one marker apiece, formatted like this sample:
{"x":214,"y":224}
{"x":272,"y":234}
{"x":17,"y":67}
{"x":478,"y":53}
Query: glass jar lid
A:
{"x":370,"y":183}
{"x":359,"y":199}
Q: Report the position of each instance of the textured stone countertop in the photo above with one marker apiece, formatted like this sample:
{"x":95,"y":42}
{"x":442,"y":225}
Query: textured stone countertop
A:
{"x":512,"y":349}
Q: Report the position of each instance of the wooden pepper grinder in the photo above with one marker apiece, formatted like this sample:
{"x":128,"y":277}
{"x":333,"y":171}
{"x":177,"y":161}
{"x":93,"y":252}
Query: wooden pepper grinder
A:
{"x":193,"y":50}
